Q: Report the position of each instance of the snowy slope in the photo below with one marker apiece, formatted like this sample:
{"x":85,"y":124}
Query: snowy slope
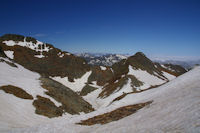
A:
{"x":14,"y":111}
{"x":175,"y":108}
{"x":77,"y":85}
{"x":9,"y":54}
{"x":146,"y":78}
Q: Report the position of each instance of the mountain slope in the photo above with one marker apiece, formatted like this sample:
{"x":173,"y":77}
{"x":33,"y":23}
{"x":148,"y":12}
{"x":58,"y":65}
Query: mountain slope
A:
{"x":175,"y":108}
{"x":24,"y":94}
{"x":54,"y":83}
{"x":42,"y":57}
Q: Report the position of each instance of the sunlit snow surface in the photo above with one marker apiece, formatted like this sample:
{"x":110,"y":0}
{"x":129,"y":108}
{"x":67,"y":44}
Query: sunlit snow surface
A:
{"x":77,"y":85}
{"x":14,"y":111}
{"x":175,"y":108}
{"x":103,"y":68}
{"x":9,"y":54}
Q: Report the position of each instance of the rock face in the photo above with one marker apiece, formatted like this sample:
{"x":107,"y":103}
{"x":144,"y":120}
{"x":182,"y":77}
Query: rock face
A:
{"x":46,"y":107}
{"x":138,"y":62}
{"x":43,"y":58}
{"x":2,"y":54}
{"x":87,"y":89}
{"x":71,"y":102}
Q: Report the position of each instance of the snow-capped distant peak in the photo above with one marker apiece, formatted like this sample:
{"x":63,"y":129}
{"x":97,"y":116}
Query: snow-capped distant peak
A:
{"x":102,"y":59}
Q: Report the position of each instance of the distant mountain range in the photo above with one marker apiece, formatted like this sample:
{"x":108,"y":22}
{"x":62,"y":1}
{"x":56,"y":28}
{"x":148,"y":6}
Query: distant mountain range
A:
{"x":101,"y":59}
{"x":108,"y":59}
{"x":186,"y":64}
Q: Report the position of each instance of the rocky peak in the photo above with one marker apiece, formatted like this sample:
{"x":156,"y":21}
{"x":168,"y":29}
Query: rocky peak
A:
{"x":42,"y":57}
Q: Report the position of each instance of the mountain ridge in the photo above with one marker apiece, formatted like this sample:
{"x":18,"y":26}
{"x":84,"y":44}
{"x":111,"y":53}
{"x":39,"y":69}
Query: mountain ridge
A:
{"x":66,"y":84}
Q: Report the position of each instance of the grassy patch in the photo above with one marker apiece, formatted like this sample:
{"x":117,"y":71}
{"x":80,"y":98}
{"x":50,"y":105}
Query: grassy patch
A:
{"x":87,"y":89}
{"x":46,"y":107}
{"x":114,"y":115}
{"x":16,"y":91}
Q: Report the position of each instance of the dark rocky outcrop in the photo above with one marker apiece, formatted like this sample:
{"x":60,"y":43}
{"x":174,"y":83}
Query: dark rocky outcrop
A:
{"x":116,"y":86}
{"x":16,"y":91}
{"x":2,"y":54}
{"x":46,"y":107}
{"x":10,"y":63}
{"x":87,"y":89}
{"x":101,"y":76}
{"x":13,"y":37}
{"x":175,"y":70}
{"x":71,"y":102}
{"x":114,"y":115}
{"x":51,"y":65}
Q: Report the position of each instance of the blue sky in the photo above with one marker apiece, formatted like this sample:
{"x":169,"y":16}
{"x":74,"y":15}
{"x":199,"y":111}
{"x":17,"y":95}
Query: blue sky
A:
{"x":155,"y":27}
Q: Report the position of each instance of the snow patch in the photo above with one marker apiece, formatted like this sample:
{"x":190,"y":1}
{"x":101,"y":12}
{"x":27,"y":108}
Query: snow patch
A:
{"x":23,"y":78}
{"x":168,"y":76}
{"x":145,"y":77}
{"x":67,"y":53}
{"x":103,"y":68}
{"x":92,"y":96}
{"x":9,"y":43}
{"x":38,"y":46}
{"x":111,"y":70}
{"x":77,"y":85}
{"x":61,"y":54}
{"x":9,"y":54}
{"x":121,"y":56}
{"x":39,"y":56}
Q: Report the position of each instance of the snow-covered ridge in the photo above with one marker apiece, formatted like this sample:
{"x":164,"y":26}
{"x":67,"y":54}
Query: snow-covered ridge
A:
{"x":38,"y":46}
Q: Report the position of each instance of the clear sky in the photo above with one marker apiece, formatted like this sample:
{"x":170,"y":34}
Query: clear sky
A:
{"x":155,"y":27}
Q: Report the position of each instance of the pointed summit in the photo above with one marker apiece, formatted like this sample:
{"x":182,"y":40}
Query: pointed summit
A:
{"x":140,"y":61}
{"x":140,"y":54}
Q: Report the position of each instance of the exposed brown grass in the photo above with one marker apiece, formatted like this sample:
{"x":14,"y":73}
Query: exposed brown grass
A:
{"x":125,"y":94}
{"x":114,"y":115}
{"x":46,"y":107}
{"x":16,"y":91}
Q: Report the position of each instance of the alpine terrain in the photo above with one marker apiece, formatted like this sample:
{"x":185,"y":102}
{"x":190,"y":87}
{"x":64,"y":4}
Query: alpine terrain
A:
{"x":44,"y":89}
{"x":102,"y":59}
